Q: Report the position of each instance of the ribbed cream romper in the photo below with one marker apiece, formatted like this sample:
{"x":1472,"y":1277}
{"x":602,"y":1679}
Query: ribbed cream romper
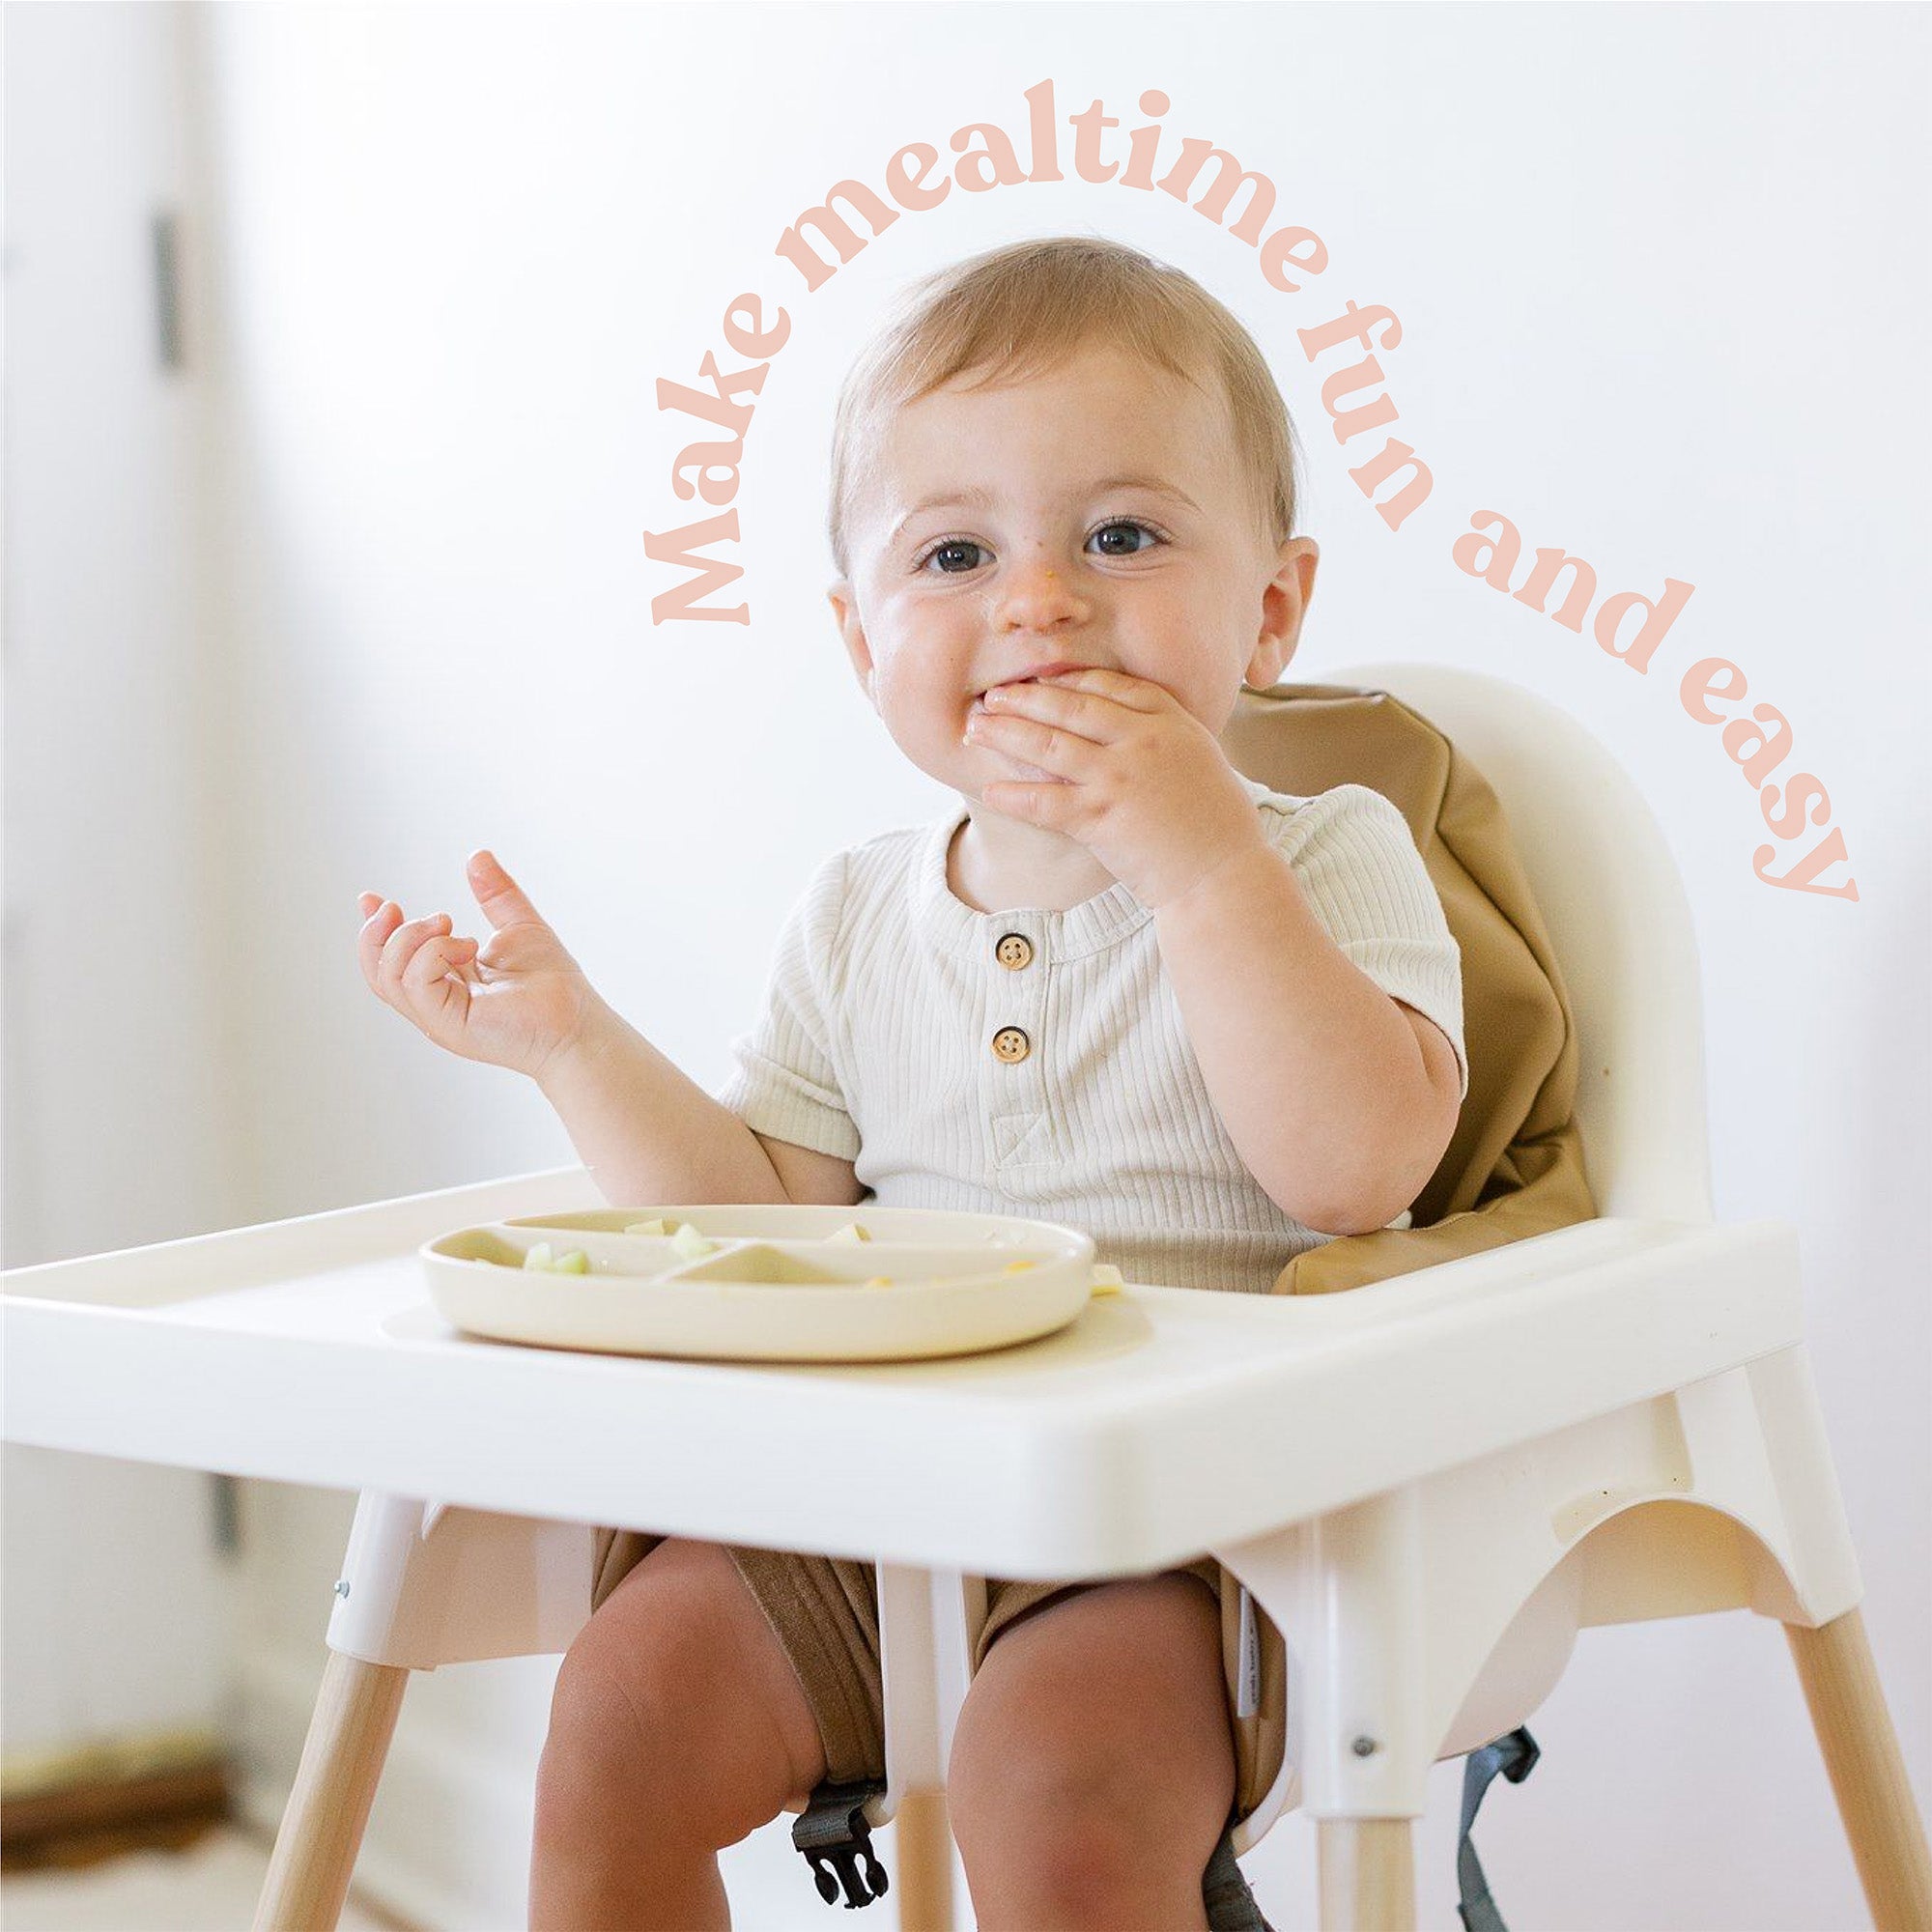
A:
{"x":876,"y":1043}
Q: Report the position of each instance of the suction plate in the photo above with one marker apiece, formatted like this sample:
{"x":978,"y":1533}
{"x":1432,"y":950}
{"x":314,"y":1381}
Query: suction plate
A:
{"x":771,"y":1287}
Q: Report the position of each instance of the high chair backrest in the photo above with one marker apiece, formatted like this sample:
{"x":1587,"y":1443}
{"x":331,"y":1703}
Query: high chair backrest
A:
{"x":1617,"y":920}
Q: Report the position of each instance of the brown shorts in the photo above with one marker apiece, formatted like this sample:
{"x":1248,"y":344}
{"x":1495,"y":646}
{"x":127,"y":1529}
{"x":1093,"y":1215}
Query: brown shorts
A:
{"x":824,"y":1611}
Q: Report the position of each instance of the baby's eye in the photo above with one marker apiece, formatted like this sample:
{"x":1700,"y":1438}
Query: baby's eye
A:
{"x":952,"y":546}
{"x":1125,"y":524}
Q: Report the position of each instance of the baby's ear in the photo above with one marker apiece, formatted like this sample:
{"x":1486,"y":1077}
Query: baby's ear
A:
{"x":1284,"y":605}
{"x":845,"y":612}
{"x":844,"y":606}
{"x":1270,"y":659}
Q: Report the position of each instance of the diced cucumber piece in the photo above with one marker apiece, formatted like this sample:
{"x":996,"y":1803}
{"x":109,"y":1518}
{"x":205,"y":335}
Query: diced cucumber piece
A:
{"x":540,"y":1257}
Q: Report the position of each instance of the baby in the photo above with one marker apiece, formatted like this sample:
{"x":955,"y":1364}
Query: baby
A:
{"x":1121,"y":985}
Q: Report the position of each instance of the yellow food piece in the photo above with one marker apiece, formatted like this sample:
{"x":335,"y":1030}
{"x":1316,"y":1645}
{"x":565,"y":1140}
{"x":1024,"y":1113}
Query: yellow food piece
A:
{"x":1015,"y":1268}
{"x":656,"y":1227}
{"x":850,"y":1233}
{"x":687,"y":1240}
{"x":878,"y":1281}
{"x":539,"y":1257}
{"x":1106,"y":1278}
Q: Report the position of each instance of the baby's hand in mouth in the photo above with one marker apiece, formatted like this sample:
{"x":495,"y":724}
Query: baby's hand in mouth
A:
{"x":1130,"y":773}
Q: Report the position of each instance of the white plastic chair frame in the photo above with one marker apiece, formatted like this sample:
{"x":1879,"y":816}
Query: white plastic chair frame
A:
{"x":1448,"y":1606}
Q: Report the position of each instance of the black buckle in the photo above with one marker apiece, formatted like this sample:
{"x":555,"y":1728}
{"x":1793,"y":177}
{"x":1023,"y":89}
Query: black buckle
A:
{"x":837,"y":1841}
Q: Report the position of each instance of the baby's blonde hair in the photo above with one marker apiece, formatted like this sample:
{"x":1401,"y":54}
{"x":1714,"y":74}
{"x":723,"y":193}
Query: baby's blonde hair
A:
{"x":1022,"y":310}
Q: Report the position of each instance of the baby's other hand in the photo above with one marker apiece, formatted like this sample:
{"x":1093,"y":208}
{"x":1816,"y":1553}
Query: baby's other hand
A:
{"x":514,"y":1000}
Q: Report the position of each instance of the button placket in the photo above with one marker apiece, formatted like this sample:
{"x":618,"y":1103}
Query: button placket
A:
{"x":1014,"y":1081}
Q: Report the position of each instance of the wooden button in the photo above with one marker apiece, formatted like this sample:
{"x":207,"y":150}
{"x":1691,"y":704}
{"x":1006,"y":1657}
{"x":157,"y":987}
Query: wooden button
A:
{"x":1010,"y":1043}
{"x":1014,"y":951}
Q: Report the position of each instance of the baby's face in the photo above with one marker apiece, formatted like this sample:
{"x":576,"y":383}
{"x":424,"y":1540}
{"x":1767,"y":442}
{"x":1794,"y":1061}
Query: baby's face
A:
{"x":1099,"y":516}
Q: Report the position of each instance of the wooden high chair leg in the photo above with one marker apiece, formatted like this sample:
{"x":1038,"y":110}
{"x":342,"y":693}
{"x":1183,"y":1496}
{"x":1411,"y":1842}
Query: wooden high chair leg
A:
{"x":335,"y":1784}
{"x":1855,"y":1733}
{"x":924,"y":1840}
{"x":1366,"y":1873}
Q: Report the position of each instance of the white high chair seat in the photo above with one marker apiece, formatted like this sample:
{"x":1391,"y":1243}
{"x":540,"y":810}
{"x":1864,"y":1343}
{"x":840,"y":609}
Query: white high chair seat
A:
{"x":1430,"y":1484}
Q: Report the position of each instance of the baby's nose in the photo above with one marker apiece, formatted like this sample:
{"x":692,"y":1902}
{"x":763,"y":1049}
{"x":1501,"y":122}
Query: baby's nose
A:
{"x":1037,"y":591}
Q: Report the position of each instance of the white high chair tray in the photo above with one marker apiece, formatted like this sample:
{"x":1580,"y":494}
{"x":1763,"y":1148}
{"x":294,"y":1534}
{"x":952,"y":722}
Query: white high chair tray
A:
{"x":769,"y":1283}
{"x":1158,"y":1423}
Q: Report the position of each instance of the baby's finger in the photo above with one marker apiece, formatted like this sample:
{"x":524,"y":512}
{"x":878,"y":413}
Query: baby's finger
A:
{"x":463,"y":960}
{"x":400,"y":948}
{"x":503,"y":901}
{"x":376,"y":930}
{"x":426,"y":983}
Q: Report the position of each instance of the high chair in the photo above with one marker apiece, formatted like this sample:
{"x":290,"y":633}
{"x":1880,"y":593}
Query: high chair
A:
{"x":1432,"y":1607}
{"x":1429,"y":1483}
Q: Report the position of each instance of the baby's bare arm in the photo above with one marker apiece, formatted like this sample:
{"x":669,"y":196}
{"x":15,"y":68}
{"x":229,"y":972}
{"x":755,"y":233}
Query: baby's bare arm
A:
{"x":646,"y":1133}
{"x":645,"y":1130}
{"x":1321,"y":1081}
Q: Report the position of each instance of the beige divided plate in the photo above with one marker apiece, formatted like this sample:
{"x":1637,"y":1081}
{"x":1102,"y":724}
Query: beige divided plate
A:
{"x":773,"y":1288}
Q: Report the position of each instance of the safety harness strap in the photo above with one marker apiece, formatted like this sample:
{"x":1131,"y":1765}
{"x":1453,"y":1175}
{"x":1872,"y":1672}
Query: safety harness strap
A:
{"x":836,"y":1840}
{"x":1515,"y":1756}
{"x":1224,"y":1890}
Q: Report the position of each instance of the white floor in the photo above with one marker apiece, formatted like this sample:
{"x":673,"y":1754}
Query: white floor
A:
{"x":210,"y":1886}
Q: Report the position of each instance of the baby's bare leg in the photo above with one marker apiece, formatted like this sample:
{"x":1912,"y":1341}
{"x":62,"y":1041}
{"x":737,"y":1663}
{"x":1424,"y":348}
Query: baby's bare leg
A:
{"x":677,"y":1728}
{"x":1092,"y":1769}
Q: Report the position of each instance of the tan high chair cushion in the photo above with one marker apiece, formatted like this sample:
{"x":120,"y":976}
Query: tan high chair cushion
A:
{"x":1514,"y":1168}
{"x":1515,"y":1164}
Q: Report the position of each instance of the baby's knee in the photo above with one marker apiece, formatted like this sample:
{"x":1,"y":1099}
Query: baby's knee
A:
{"x":1092,"y":1766}
{"x":614,"y":1739}
{"x":1065,"y":1851}
{"x":648,"y":1720}
{"x":1012,"y":1790}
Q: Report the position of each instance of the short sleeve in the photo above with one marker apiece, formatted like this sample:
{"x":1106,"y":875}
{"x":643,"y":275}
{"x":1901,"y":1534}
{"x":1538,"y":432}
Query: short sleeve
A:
{"x":785,"y":1083}
{"x":1357,"y":865}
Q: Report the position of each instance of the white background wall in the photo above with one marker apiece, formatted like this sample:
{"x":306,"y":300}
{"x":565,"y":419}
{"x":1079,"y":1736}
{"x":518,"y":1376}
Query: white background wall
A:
{"x":1661,"y":299}
{"x":113,"y":1014}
